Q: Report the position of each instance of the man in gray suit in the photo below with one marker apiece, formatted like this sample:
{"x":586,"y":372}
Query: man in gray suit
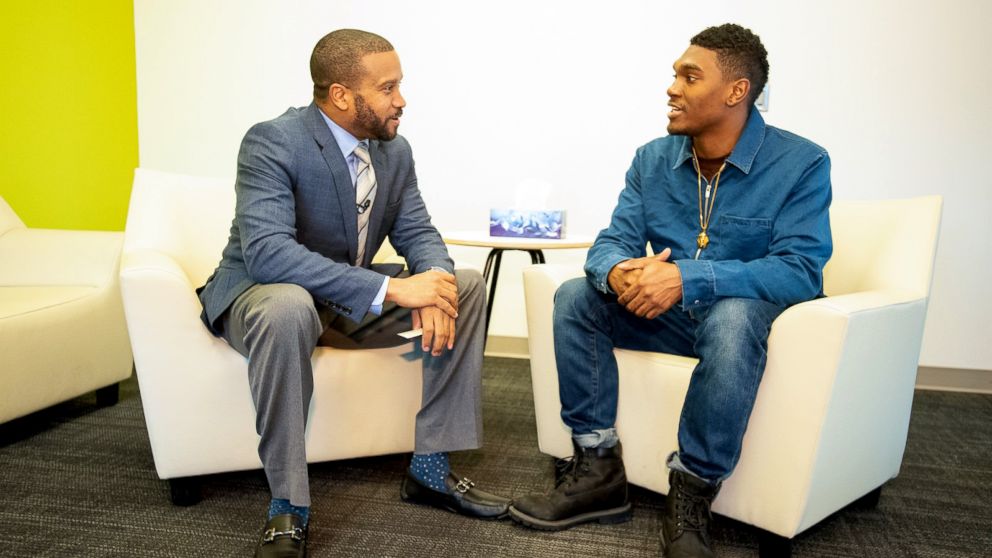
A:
{"x":318,"y":190}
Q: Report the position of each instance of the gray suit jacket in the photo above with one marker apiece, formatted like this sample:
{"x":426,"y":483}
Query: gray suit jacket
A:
{"x":296,"y":221}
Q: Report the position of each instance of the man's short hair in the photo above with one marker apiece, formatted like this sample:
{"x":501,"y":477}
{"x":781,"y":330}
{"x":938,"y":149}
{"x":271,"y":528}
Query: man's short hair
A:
{"x":739,"y":53}
{"x":337,"y":58}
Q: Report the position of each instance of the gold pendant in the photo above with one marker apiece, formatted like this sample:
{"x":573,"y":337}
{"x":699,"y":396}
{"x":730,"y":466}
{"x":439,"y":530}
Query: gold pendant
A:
{"x":702,"y":240}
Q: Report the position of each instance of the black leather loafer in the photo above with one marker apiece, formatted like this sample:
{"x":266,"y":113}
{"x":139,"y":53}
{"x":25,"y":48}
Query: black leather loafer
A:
{"x":462,"y":497}
{"x":284,"y":536}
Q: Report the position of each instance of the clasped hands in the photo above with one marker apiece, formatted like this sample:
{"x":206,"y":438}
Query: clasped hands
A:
{"x":433,"y":298}
{"x":647,"y":286}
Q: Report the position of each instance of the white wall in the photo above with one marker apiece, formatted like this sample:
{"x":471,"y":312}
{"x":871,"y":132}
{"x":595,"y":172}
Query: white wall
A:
{"x":565,"y":91}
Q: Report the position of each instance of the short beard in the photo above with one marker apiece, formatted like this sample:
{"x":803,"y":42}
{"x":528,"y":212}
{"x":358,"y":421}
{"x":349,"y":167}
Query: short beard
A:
{"x":368,"y":119}
{"x":673,"y":130}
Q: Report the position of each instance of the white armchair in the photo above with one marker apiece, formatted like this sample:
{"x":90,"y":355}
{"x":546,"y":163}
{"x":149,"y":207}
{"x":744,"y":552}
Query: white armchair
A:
{"x":832,"y":413}
{"x":62,"y":328}
{"x":194,"y":386}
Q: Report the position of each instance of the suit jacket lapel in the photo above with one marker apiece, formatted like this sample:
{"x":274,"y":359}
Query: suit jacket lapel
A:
{"x":381,"y":195}
{"x":340,"y":175}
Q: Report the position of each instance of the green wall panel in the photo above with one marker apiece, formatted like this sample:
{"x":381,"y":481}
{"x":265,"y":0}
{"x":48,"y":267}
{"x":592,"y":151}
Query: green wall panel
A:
{"x":68,"y":112}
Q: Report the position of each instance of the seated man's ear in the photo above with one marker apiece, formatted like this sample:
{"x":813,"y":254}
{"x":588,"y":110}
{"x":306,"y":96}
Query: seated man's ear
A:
{"x":739,"y":91}
{"x":340,"y":96}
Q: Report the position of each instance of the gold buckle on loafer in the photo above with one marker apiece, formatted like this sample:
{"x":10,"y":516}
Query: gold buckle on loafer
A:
{"x":271,"y":534}
{"x":464,"y":485}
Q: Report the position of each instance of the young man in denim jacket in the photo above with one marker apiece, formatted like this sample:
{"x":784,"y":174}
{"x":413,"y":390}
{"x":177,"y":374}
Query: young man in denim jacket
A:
{"x":736,"y":213}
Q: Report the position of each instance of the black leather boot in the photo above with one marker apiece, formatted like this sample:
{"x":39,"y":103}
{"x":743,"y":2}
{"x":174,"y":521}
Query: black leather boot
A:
{"x":589,"y":486}
{"x":685,"y":527}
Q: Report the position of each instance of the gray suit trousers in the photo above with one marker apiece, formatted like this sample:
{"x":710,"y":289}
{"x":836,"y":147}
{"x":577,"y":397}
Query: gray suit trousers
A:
{"x":277,"y":327}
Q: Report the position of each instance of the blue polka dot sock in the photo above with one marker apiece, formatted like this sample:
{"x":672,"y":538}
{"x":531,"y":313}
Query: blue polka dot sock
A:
{"x":279,"y":506}
{"x":431,"y":469}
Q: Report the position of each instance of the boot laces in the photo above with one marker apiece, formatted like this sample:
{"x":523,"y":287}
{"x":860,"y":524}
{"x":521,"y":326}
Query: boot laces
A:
{"x":692,"y":512}
{"x":569,"y":469}
{"x":563,"y":467}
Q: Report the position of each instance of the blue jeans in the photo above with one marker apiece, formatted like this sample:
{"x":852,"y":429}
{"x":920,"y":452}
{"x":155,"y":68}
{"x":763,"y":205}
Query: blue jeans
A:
{"x":729,"y":338}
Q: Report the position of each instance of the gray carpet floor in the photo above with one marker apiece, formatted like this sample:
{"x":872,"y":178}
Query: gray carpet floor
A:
{"x":78,"y":480}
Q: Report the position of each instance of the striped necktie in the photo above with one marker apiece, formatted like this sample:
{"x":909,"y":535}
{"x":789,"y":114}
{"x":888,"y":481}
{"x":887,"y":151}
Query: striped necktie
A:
{"x":364,"y":194}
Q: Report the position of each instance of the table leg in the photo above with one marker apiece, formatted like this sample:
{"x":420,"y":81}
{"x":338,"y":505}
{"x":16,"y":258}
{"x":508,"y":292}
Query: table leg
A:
{"x":489,"y":264}
{"x":493,"y":260}
{"x":492,"y":271}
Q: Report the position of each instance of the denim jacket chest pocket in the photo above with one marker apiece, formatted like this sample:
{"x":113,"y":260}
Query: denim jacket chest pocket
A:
{"x":740,"y":238}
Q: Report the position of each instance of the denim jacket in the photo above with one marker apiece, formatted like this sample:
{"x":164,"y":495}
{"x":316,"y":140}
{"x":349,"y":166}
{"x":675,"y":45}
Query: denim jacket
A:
{"x":769,"y":235}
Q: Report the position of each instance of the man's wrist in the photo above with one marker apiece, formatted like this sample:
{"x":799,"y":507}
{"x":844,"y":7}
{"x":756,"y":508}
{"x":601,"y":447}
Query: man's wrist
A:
{"x":611,"y":279}
{"x":614,"y":278}
{"x":391,"y":285}
{"x":380,"y":297}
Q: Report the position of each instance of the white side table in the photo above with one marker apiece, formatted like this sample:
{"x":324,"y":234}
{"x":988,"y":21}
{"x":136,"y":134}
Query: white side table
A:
{"x":499,"y":244}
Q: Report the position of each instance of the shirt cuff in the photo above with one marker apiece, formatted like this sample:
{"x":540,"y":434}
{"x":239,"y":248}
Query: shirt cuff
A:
{"x":602,"y":281}
{"x":376,"y":307}
{"x":698,"y":283}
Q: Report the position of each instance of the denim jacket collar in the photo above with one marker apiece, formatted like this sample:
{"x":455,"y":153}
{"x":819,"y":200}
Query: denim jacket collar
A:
{"x":744,"y":152}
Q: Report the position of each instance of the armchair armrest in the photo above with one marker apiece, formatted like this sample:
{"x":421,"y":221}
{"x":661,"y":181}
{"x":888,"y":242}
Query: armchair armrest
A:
{"x":551,"y":275}
{"x":148,"y":262}
{"x":540,"y":284}
{"x":163,"y":314}
{"x":853,"y":303}
{"x":163,"y":317}
{"x":835,"y":398}
{"x":180,"y":365}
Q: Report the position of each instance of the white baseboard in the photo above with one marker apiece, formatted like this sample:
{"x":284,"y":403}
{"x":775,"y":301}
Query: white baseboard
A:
{"x":927,"y":377}
{"x":507,"y":347}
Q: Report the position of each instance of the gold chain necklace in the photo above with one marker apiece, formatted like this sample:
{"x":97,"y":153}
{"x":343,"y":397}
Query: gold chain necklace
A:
{"x":705,"y":202}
